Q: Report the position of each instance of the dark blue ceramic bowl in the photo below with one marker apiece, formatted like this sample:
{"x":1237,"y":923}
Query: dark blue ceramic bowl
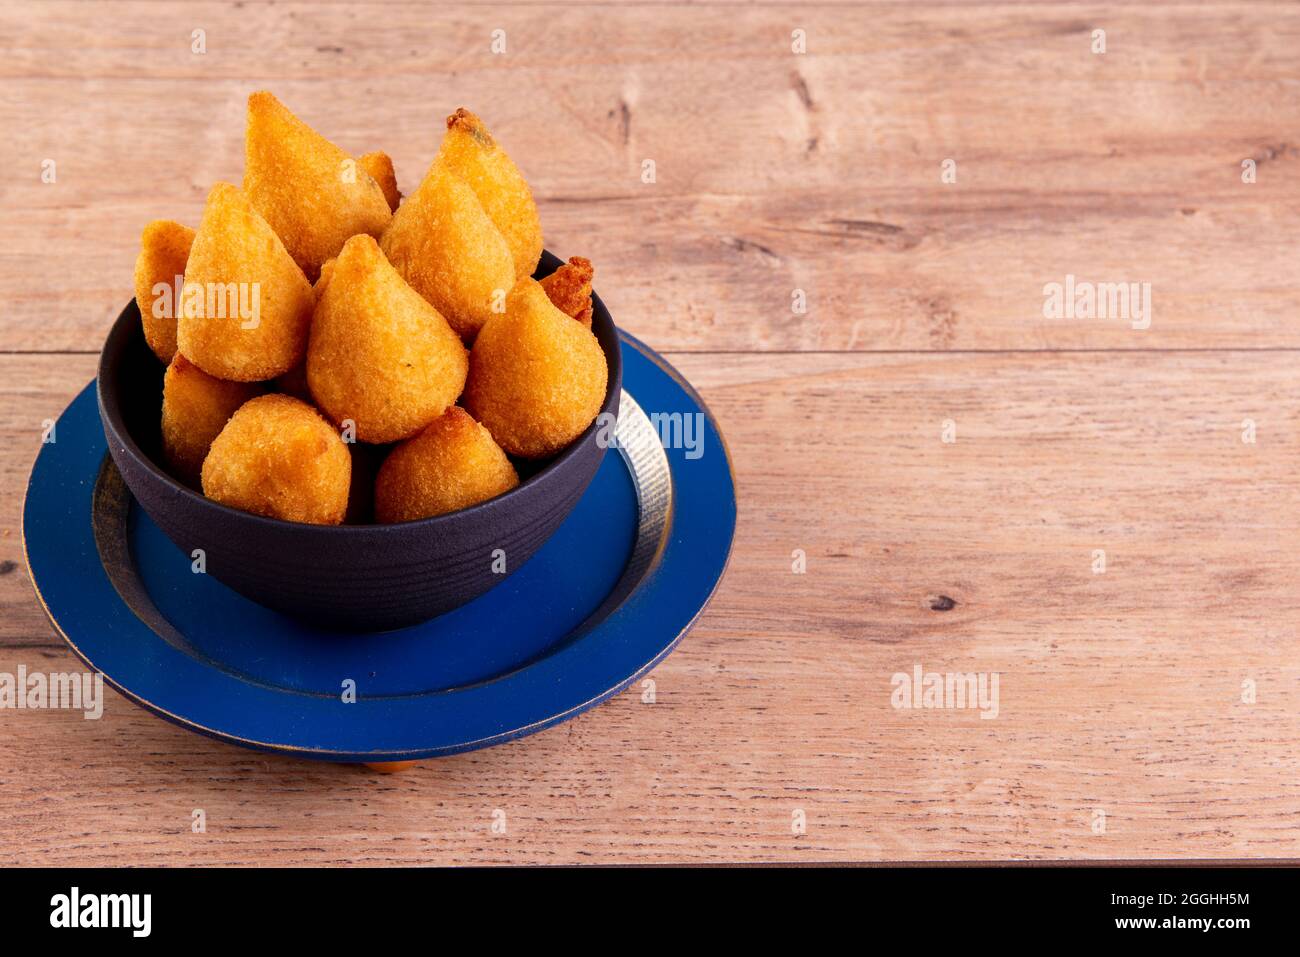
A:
{"x":347,"y":577}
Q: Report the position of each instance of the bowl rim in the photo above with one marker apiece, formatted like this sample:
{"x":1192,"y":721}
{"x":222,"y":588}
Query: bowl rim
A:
{"x":127,"y":324}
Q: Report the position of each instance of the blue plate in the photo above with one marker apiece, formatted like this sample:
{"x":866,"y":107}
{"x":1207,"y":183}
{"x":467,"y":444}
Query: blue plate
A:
{"x":603,"y":601}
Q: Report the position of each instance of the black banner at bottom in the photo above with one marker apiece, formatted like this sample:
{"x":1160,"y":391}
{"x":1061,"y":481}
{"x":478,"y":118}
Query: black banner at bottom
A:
{"x":958,"y":904}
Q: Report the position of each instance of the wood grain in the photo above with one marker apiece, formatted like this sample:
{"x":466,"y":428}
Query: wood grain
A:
{"x":1121,"y":692}
{"x":774,"y":171}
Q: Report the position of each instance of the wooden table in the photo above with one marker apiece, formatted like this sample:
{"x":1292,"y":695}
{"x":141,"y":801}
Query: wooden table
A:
{"x":1145,"y":711}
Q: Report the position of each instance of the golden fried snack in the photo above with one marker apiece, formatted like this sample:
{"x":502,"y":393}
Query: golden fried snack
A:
{"x":569,"y":288}
{"x":246,"y":306}
{"x":277,"y":457}
{"x":380,"y":167}
{"x":195,"y":408}
{"x":379,"y":354}
{"x":312,"y":193}
{"x":536,"y":378}
{"x":451,"y":465}
{"x":471,"y":153}
{"x":446,"y":247}
{"x":323,"y":279}
{"x":164,"y":249}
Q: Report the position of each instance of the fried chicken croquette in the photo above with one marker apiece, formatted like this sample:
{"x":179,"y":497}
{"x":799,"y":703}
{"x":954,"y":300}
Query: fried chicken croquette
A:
{"x":449,"y":250}
{"x":246,"y":306}
{"x":380,"y":167}
{"x":379,"y":354}
{"x":452,"y":464}
{"x":164,"y":249}
{"x":277,"y":457}
{"x":314,"y":195}
{"x":195,"y":408}
{"x":569,"y":288}
{"x":536,"y":378}
{"x":471,"y":153}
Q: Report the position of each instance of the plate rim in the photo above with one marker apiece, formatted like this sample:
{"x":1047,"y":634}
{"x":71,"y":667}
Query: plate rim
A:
{"x":420,"y":753}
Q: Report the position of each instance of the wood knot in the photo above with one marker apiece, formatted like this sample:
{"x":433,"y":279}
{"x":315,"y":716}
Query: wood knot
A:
{"x":942,"y":603}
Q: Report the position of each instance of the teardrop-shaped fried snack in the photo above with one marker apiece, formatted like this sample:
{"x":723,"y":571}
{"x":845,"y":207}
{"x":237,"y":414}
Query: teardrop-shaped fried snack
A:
{"x":379,"y":354}
{"x":380,"y":167}
{"x":277,"y":457}
{"x":312,"y":193}
{"x":536,"y":378}
{"x":195,"y":408}
{"x":569,"y":288}
{"x":473,"y":155}
{"x":164,"y":249}
{"x":246,"y":306}
{"x":451,"y":465}
{"x":446,"y":247}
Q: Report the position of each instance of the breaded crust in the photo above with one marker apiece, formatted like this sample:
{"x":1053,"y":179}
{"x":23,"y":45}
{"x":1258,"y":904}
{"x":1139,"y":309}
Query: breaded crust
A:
{"x":452,"y":464}
{"x":450,"y":252}
{"x":569,"y":288}
{"x":379,"y":354}
{"x":471,"y":153}
{"x":164,"y":250}
{"x":323,"y":279}
{"x":237,"y":259}
{"x":195,"y":408}
{"x":380,"y":167}
{"x":278,"y":457}
{"x":536,"y":378}
{"x":314,"y":195}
